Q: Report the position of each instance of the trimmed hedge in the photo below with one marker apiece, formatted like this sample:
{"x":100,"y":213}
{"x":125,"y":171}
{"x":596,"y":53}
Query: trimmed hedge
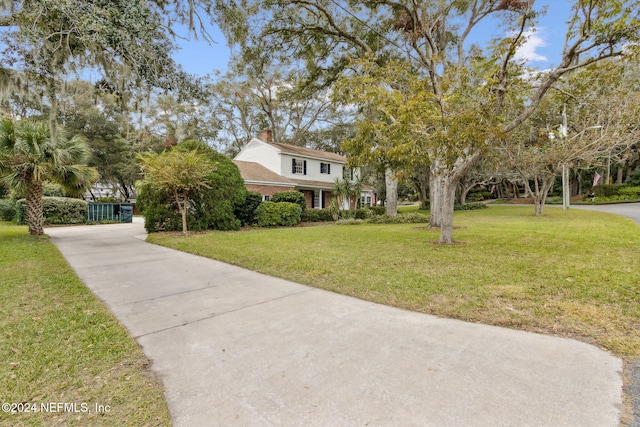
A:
{"x":633,"y":192}
{"x":7,"y":209}
{"x":272,"y":214}
{"x":316,"y":215}
{"x":608,"y":190}
{"x":290,"y":197}
{"x":58,"y":210}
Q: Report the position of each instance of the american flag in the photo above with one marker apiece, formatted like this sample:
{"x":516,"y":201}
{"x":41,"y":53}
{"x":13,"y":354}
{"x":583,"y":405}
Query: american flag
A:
{"x":596,"y":179}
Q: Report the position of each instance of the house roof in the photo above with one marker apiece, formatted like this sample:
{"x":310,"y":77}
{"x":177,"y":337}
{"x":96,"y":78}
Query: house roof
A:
{"x":309,"y":152}
{"x":252,"y":171}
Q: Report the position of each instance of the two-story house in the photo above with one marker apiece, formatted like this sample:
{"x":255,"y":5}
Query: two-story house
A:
{"x":269,"y":167}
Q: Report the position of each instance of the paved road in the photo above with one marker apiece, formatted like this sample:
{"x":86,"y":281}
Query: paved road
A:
{"x":237,"y":348}
{"x":630,"y":210}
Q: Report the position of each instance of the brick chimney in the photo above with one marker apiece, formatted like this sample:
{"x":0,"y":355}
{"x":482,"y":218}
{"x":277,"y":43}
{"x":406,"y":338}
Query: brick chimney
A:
{"x":266,"y":135}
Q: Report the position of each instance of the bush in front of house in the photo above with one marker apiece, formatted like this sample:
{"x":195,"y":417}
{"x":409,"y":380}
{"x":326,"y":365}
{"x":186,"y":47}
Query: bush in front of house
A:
{"x":272,"y":214}
{"x":58,"y":210}
{"x":316,"y":215}
{"x":212,"y":208}
{"x":378,"y":210}
{"x":246,"y":211}
{"x":7,"y":209}
{"x":291,"y":197}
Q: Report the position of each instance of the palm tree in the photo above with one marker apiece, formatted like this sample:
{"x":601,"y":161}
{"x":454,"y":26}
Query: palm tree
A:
{"x":29,"y":157}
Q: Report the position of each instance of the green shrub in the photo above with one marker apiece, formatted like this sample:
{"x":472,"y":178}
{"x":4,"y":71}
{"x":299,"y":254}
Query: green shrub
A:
{"x":410,"y":218}
{"x":58,"y":210}
{"x":554,"y":200}
{"x":271,"y":214}
{"x":316,"y":215}
{"x":268,"y":214}
{"x":212,"y":208}
{"x":469,"y":206}
{"x":634,"y":177}
{"x":475,"y":197}
{"x":633,"y":192}
{"x":290,"y":213}
{"x":51,"y":189}
{"x":7,"y":209}
{"x":109,"y":199}
{"x":290,"y":197}
{"x":246,"y":211}
{"x":378,"y":210}
{"x":363,"y":213}
{"x":608,"y":190}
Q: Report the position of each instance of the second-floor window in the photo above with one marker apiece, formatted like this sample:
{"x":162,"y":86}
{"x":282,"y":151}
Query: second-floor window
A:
{"x":299,"y":166}
{"x":325,"y":168}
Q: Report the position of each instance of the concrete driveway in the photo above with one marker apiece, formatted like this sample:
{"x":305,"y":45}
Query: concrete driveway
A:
{"x":237,"y":348}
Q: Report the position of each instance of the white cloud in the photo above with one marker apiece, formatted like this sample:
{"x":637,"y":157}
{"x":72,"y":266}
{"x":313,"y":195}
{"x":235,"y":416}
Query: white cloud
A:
{"x":528,"y":51}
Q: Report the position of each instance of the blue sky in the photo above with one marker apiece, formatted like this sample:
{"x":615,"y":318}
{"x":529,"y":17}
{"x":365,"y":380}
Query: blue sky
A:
{"x":542,"y":50}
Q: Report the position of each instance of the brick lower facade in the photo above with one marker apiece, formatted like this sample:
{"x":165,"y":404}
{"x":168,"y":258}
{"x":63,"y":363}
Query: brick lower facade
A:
{"x":270,"y":190}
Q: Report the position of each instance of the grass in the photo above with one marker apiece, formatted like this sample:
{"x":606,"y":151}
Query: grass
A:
{"x":60,"y":344}
{"x":573,"y":273}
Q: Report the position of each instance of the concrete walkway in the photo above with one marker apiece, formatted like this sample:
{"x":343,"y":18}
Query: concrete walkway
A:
{"x":237,"y":348}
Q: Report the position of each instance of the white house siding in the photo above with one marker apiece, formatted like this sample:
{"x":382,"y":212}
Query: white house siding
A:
{"x":262,"y":153}
{"x":313,"y":169}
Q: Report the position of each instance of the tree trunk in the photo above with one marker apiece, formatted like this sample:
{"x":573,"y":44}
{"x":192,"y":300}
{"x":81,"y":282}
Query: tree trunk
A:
{"x":448,"y":202}
{"x":391,"y":184}
{"x":540,"y":194}
{"x":435,"y":198}
{"x":53,"y":111}
{"x":421,"y":183}
{"x":183,"y":210}
{"x":464,"y":191}
{"x":34,"y":218}
{"x":447,"y":178}
{"x":621,"y":166}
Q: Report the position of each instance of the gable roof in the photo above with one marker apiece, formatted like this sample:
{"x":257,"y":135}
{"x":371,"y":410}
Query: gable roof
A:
{"x":308,"y":152}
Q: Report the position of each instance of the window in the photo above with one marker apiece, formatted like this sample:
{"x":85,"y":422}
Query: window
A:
{"x":316,"y":199}
{"x":299,"y":166}
{"x":365,"y":201}
{"x":325,"y":168}
{"x":265,"y":198}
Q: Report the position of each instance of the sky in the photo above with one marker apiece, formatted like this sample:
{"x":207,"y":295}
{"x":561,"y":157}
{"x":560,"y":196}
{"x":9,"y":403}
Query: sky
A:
{"x":542,"y":50}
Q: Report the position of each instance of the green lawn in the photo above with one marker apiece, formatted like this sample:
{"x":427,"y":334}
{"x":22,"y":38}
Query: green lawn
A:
{"x":61,"y":345}
{"x":574,"y":273}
